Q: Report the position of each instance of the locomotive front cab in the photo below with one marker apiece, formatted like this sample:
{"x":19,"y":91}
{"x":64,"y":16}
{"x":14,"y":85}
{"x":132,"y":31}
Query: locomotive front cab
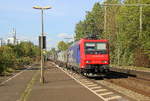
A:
{"x":96,"y":56}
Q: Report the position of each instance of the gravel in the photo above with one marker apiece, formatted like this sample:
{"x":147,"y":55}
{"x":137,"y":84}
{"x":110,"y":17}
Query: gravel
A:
{"x":124,"y":91}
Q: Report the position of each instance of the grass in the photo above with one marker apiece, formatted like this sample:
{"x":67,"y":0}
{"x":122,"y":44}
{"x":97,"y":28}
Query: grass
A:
{"x":8,"y":71}
{"x":132,"y":67}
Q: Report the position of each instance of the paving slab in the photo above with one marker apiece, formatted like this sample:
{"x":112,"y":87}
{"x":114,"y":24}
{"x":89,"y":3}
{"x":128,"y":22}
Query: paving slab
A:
{"x":12,"y":90}
{"x":60,"y":87}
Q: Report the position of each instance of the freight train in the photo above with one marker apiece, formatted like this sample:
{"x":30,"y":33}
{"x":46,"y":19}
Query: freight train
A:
{"x":86,"y":56}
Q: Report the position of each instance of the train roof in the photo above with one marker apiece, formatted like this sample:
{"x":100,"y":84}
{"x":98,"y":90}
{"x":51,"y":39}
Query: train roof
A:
{"x":94,"y":40}
{"x":88,"y":40}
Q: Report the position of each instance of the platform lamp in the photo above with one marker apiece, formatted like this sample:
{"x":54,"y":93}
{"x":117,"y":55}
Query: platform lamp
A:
{"x":42,"y":38}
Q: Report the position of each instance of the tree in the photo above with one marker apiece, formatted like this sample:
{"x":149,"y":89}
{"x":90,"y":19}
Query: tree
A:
{"x":93,"y":23}
{"x":25,"y":49}
{"x":127,"y":45}
{"x":62,"y":46}
{"x":7,"y":58}
{"x":80,"y":30}
{"x":15,"y":55}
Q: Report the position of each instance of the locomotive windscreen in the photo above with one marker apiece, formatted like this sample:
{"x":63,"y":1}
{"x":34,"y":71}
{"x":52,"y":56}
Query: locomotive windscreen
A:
{"x":95,"y":48}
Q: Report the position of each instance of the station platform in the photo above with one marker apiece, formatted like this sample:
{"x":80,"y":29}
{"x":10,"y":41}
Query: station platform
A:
{"x":60,"y":87}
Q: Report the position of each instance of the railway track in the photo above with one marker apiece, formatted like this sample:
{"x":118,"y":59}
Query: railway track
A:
{"x":134,"y":73}
{"x":110,"y":88}
{"x":136,"y":84}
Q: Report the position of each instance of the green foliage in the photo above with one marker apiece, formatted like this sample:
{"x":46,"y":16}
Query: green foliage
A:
{"x":62,"y":46}
{"x":122,"y":31}
{"x":53,"y":50}
{"x":92,"y":24}
{"x":13,"y":55}
{"x":7,"y":58}
{"x":25,"y":49}
{"x":24,"y":61}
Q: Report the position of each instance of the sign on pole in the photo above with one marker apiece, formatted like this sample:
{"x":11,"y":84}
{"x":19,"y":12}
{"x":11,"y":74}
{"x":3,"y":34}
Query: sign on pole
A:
{"x":44,"y":41}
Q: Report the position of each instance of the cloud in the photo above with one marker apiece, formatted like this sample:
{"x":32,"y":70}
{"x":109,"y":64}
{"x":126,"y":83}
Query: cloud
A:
{"x":33,"y":39}
{"x":65,"y":35}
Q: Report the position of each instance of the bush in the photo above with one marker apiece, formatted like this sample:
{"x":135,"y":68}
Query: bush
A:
{"x":17,"y":55}
{"x":7,"y":58}
{"x":24,"y":61}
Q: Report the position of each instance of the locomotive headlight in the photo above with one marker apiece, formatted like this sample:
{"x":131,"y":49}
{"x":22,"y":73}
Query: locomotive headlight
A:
{"x":104,"y":61}
{"x":88,"y":61}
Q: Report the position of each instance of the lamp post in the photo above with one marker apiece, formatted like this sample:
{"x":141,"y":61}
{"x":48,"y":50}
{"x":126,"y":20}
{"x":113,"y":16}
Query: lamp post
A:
{"x":42,"y":34}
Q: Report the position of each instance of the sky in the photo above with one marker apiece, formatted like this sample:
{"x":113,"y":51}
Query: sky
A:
{"x":59,"y":22}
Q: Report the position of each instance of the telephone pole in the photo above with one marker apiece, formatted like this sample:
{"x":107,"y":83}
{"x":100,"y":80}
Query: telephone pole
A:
{"x":141,"y":21}
{"x":105,"y":19}
{"x":130,"y":5}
